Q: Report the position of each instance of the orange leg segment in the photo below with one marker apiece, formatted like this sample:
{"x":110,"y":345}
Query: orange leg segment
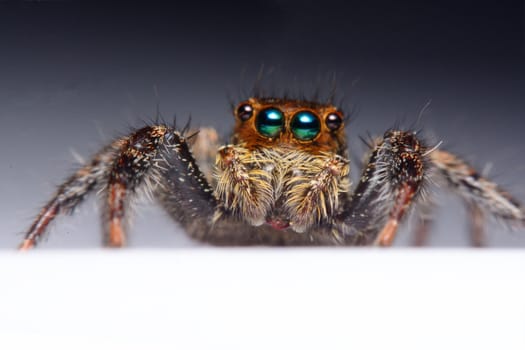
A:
{"x":402,"y":202}
{"x":115,"y":234}
{"x":47,"y":214}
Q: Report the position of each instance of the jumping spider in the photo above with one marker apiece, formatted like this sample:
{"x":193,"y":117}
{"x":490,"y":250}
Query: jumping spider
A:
{"x":283,"y":180}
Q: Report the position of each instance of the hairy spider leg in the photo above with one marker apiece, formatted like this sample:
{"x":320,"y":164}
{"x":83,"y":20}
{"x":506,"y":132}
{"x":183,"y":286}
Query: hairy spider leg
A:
{"x":129,"y":171}
{"x":72,"y":192}
{"x":184,"y":192}
{"x":398,"y":173}
{"x":158,"y":159}
{"x":150,"y":158}
{"x":481,"y":196}
{"x":392,"y":179}
{"x":475,"y":215}
{"x":402,"y":202}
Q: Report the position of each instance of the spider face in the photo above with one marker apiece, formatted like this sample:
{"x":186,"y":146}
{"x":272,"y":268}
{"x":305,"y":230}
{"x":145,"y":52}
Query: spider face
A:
{"x":286,"y":166}
{"x":292,"y":124}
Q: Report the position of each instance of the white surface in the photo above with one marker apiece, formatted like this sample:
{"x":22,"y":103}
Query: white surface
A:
{"x":263,"y":299}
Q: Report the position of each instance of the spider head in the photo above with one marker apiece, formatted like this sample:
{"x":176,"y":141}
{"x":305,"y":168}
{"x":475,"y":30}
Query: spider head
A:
{"x":274,"y":122}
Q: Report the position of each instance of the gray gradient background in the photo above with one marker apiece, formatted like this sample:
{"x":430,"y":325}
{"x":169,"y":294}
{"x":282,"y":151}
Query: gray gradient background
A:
{"x":74,"y":75}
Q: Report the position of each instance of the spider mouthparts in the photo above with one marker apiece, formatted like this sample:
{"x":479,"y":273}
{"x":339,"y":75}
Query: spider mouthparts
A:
{"x":278,"y":224}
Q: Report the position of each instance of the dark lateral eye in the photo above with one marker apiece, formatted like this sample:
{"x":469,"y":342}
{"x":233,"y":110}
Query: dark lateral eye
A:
{"x":333,"y":121}
{"x":270,"y":122}
{"x":244,"y":112}
{"x":305,"y":126}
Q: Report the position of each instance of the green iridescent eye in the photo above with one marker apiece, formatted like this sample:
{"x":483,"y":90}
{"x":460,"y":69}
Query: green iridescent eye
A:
{"x":270,"y":122}
{"x":305,"y":126}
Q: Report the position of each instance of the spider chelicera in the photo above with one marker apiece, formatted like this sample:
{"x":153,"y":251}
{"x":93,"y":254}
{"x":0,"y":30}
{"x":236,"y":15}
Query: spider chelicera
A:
{"x":282,"y":180}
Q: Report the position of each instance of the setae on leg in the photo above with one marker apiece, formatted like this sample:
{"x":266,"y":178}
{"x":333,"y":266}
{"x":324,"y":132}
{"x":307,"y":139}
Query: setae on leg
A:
{"x":393,"y":178}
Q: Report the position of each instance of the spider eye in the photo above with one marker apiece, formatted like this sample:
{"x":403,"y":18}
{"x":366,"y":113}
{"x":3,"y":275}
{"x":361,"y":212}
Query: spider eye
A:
{"x":244,"y":112}
{"x":305,"y":126}
{"x":270,"y":122}
{"x":333,"y":121}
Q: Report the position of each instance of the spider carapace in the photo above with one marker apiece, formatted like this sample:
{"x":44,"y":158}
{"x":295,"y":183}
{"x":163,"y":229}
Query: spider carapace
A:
{"x":282,"y":180}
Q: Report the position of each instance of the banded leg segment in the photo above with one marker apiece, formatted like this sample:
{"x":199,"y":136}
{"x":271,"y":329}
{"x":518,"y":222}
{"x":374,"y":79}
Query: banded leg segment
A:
{"x":402,"y":201}
{"x":158,"y":160}
{"x":392,"y":179}
{"x":128,"y":172}
{"x":140,"y":161}
{"x":481,"y":196}
{"x":72,"y":192}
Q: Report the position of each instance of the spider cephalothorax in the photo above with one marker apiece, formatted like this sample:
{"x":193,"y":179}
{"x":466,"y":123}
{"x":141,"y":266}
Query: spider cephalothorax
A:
{"x":282,"y":180}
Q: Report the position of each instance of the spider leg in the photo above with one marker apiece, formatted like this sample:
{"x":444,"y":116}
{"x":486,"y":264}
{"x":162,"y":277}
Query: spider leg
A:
{"x":128,"y":172}
{"x":477,"y":223}
{"x":481,"y":196}
{"x":476,"y":218}
{"x":184,"y":192}
{"x":422,"y":233}
{"x":71,"y":193}
{"x":401,"y":203}
{"x":154,"y":158}
{"x":424,"y":223}
{"x":392,"y":179}
{"x":157,"y":158}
